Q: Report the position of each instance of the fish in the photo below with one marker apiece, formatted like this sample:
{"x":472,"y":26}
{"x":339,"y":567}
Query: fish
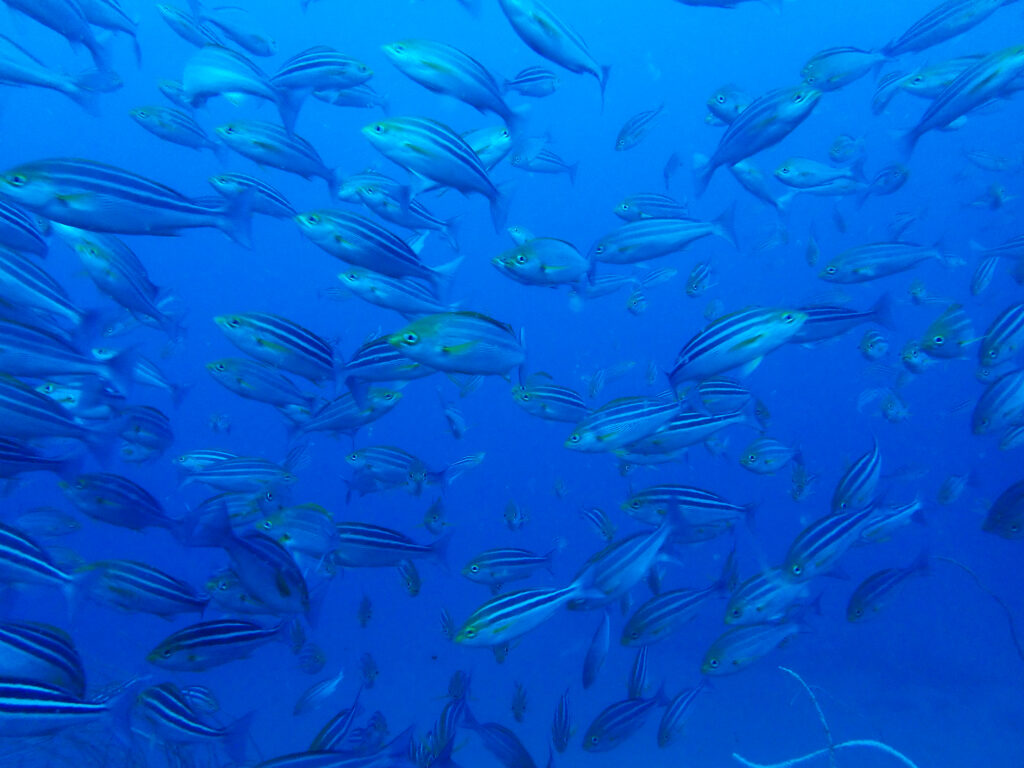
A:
{"x":280,"y":342}
{"x":768,"y":596}
{"x":103,"y":198}
{"x":741,"y":646}
{"x":267,"y":144}
{"x":636,"y":128}
{"x":873,"y":345}
{"x":673,"y":721}
{"x":561,"y":726}
{"x":943,"y":22}
{"x":820,"y":545}
{"x":209,"y":644}
{"x":651,"y":205}
{"x":696,"y":507}
{"x":497,"y":567}
{"x":215,"y":70}
{"x":513,"y":614}
{"x":1001,"y":405}
{"x":536,"y":82}
{"x":1003,"y":338}
{"x":871,"y":262}
{"x":551,"y":37}
{"x":19,"y":66}
{"x":175,"y":126}
{"x":949,"y":334}
{"x":444,"y":69}
{"x":765,"y":122}
{"x":765,"y":456}
{"x":362,"y":545}
{"x":1005,"y":518}
{"x":620,"y":720}
{"x":646,"y":239}
{"x":431,"y":149}
{"x":835,"y":68}
{"x":544,"y":261}
{"x":727,"y":102}
{"x":874,"y":593}
{"x":162,"y":712}
{"x":621,"y":422}
{"x":129,"y":585}
{"x":826,"y":322}
{"x":461,"y":342}
{"x":857,"y":489}
{"x":739,"y":340}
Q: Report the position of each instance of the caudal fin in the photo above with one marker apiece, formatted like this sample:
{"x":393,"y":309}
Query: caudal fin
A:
{"x":725,"y":225}
{"x":236,"y":218}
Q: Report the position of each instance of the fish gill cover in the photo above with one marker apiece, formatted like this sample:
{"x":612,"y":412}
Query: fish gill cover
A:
{"x":511,"y":382}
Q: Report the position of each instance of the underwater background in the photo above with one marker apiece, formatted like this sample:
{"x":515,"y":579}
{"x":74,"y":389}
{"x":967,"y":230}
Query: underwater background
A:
{"x":935,"y":673}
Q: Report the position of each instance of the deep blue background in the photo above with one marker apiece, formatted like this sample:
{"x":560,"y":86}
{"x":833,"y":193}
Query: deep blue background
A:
{"x":935,"y":675}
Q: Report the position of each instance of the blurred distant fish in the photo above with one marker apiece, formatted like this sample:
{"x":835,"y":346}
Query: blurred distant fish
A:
{"x":174,"y":126}
{"x":18,"y":66}
{"x":534,"y":81}
{"x":943,"y":22}
{"x":651,"y":205}
{"x":636,"y":129}
{"x":835,"y":68}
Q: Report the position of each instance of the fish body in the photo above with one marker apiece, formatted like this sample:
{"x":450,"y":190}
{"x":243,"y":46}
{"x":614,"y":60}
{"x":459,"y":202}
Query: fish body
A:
{"x":461,"y":342}
{"x":647,"y":239}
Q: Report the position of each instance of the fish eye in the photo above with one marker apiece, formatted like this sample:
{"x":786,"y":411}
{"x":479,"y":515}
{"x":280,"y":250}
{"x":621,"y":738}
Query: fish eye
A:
{"x":233,"y":322}
{"x":720,"y":98}
{"x":574,"y":438}
{"x":378,"y":128}
{"x":312,"y":219}
{"x":735,"y":613}
{"x":784,"y":170}
{"x":267,"y":525}
{"x":474,"y":568}
{"x":166,"y":653}
{"x":411,"y":338}
{"x":788,"y":317}
{"x":595,"y":739}
{"x":142,"y":113}
{"x":599,"y":249}
{"x":938,"y":340}
{"x":269,"y":496}
{"x":752,"y":458}
{"x":620,"y":143}
{"x":917,"y":80}
{"x":830,"y":270}
{"x":520,"y":259}
{"x":229,"y":129}
{"x":796,"y":569}
{"x":17,"y":180}
{"x":993,"y":353}
{"x":713,"y":663}
{"x":399,"y":48}
{"x":221,"y":367}
{"x":526,"y":396}
{"x":470,"y":633}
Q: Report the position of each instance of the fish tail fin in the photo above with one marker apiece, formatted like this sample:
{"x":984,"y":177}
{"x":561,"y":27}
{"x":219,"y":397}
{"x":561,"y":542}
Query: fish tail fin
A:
{"x":443,"y":274}
{"x":178,"y":392}
{"x":703,"y":170}
{"x":439,"y":549}
{"x":885,"y":89}
{"x":602,"y":80}
{"x":451,"y":231}
{"x":118,"y":369}
{"x":499,"y":208}
{"x":920,"y":564}
{"x":237,"y":736}
{"x":288,"y":104}
{"x":573,"y":168}
{"x":236,"y":219}
{"x":137,"y":47}
{"x":881,"y":312}
{"x":725,"y":225}
{"x":907,"y":142}
{"x":729,"y":576}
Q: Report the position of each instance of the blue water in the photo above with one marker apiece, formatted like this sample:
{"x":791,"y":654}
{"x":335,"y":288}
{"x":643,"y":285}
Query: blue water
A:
{"x":934,"y":675}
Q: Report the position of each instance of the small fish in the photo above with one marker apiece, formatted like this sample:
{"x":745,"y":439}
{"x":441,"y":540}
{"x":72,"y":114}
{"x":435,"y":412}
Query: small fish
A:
{"x":410,"y":577}
{"x":949,"y":334}
{"x":600,"y":522}
{"x":636,"y":129}
{"x":765,"y":456}
{"x":365,"y":611}
{"x":515,"y":516}
{"x":1005,"y":517}
{"x":435,"y":519}
{"x":519,"y":703}
{"x":534,"y":81}
{"x":873,"y":345}
{"x":620,"y":720}
{"x":312,"y":658}
{"x":317,"y":694}
{"x":561,"y":726}
{"x":877,"y":590}
{"x":726,"y":103}
{"x":741,"y":646}
{"x":369,"y":670}
{"x":673,"y":721}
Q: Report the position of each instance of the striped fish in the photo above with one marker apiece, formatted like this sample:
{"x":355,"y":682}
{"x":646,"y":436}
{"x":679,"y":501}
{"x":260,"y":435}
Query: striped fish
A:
{"x":26,"y":350}
{"x":948,"y":336}
{"x":651,"y":205}
{"x":214,"y":70}
{"x":280,"y":342}
{"x":646,"y":239}
{"x":265,"y":568}
{"x":22,"y":561}
{"x":739,"y":340}
{"x":268,"y":144}
{"x":434,"y":150}
{"x":43,"y":654}
{"x":1004,"y":337}
{"x":137,"y":587}
{"x":891,"y":518}
{"x":663,"y":614}
{"x":209,"y":644}
{"x":677,"y":713}
{"x":193,"y":460}
{"x":767,"y":596}
{"x":147,"y":427}
{"x":541,"y":397}
{"x":597,"y":651}
{"x":619,"y":721}
{"x":335,"y":732}
{"x":380,"y":361}
{"x":462,"y":342}
{"x":696,"y":507}
{"x":30,"y":709}
{"x":350,"y":188}
{"x":400,"y":209}
{"x":533,"y":81}
{"x":345,"y":414}
{"x":600,"y":522}
{"x":620,"y":566}
{"x":406,"y":296}
{"x":858,"y":487}
{"x":360,"y":96}
{"x":242,"y":474}
{"x":551,"y":37}
{"x":537,"y":158}
{"x":638,"y":675}
{"x":621,"y":422}
{"x":820,"y":545}
{"x":982,"y":276}
{"x":1008,"y":249}
{"x":875,"y":592}
{"x":24,"y":283}
{"x":445,"y":69}
{"x":256,"y":380}
{"x":947,"y":20}
{"x":363,"y":243}
{"x":990,"y":78}
{"x":320,"y":68}
{"x":636,"y":128}
{"x":362,"y":545}
{"x":561,"y":726}
{"x":28,"y":414}
{"x":721,"y":395}
{"x":67,"y":19}
{"x":763,"y":123}
{"x":264,"y":198}
{"x":1001,"y":405}
{"x":117,"y":500}
{"x":683,"y":430}
{"x":103,"y":198}
{"x":490,"y":144}
{"x":506,"y":617}
{"x":174,"y":126}
{"x":188,"y":26}
{"x":497,"y":567}
{"x":17,"y":457}
{"x":167,"y":715}
{"x":19,"y":232}
{"x":824,"y":322}
{"x":740,"y":647}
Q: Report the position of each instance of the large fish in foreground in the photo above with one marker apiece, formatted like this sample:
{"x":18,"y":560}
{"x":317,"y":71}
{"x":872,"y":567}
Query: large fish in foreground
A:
{"x":103,"y":198}
{"x":945,"y":21}
{"x":552,"y":38}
